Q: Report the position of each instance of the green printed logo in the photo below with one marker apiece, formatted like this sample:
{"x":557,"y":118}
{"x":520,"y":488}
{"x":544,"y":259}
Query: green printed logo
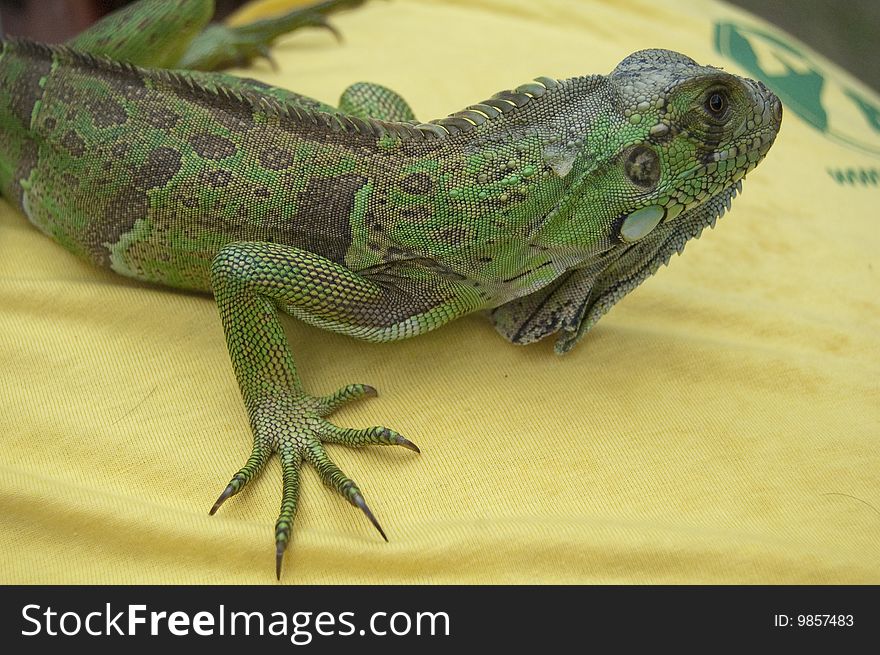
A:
{"x":802,"y":86}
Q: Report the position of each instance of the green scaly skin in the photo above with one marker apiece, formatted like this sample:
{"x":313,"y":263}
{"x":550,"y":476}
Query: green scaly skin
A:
{"x":543,"y":205}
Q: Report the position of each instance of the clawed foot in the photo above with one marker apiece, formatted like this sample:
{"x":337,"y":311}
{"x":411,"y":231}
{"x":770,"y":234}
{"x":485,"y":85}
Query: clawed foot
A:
{"x":296,"y":430}
{"x":252,"y":41}
{"x":222,"y":46}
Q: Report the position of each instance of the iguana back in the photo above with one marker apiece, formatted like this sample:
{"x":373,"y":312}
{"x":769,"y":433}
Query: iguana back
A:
{"x":151,"y":172}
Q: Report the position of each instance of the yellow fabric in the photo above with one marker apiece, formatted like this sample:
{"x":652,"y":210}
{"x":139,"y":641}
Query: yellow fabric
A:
{"x":260,"y":9}
{"x":718,"y":426}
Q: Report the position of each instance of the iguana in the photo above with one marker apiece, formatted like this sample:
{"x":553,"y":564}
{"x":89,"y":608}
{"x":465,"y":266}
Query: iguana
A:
{"x":542,"y":206}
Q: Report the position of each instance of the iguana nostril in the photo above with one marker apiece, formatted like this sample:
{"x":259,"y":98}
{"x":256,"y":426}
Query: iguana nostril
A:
{"x":777,"y":110}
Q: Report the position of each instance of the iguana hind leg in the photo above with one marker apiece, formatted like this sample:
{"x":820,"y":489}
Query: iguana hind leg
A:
{"x":222,"y":46}
{"x":151,"y":33}
{"x":177,"y":34}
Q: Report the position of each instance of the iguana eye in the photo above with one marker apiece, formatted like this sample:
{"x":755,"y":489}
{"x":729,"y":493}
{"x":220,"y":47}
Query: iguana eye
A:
{"x":716,"y":103}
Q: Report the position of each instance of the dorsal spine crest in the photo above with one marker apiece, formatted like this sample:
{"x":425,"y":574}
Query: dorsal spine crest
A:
{"x":465,"y":120}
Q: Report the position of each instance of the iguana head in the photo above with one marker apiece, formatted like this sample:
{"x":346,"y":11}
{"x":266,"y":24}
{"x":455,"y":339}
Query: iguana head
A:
{"x":664,"y":146}
{"x":690,"y":132}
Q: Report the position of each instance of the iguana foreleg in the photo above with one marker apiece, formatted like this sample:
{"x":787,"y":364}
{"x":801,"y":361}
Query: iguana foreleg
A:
{"x":251,"y":283}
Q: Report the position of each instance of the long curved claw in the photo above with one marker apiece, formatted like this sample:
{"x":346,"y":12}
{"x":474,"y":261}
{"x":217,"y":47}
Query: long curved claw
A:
{"x":279,"y":557}
{"x":228,"y":492}
{"x":255,"y":463}
{"x":222,"y":46}
{"x":290,"y":463}
{"x":334,"y":478}
{"x":266,"y":53}
{"x":323,"y":22}
{"x":406,"y":443}
{"x":358,"y":500}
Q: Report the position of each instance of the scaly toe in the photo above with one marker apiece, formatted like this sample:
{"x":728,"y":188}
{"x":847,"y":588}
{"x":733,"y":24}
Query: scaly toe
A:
{"x":328,"y":404}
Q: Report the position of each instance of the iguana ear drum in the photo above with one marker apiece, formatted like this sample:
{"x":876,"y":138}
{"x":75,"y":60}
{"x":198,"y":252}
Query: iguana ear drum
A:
{"x":642,"y":167}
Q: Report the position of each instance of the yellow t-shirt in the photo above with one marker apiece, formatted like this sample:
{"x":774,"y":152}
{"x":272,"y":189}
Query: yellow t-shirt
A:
{"x":720,"y":425}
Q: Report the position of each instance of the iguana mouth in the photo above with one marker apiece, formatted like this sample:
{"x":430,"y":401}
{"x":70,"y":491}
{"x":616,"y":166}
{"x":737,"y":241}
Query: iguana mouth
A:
{"x":753,"y":150}
{"x":741,"y":158}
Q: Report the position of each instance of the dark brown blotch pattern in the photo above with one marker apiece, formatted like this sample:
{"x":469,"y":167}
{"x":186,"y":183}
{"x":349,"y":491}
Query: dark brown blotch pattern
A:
{"x":322,"y":222}
{"x":121,"y":212}
{"x":161,"y":118}
{"x":212,"y":146}
{"x":217,"y":178}
{"x":26,"y":90}
{"x":275,"y":159}
{"x":120,"y":150}
{"x":107,"y":112}
{"x":161,"y":166}
{"x":417,"y":184}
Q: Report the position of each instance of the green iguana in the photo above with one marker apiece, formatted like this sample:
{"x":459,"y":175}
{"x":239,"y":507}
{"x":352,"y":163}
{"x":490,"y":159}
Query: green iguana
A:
{"x":543,"y":205}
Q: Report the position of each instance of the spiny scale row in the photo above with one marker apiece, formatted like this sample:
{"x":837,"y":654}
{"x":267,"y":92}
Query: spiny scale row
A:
{"x":465,"y":120}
